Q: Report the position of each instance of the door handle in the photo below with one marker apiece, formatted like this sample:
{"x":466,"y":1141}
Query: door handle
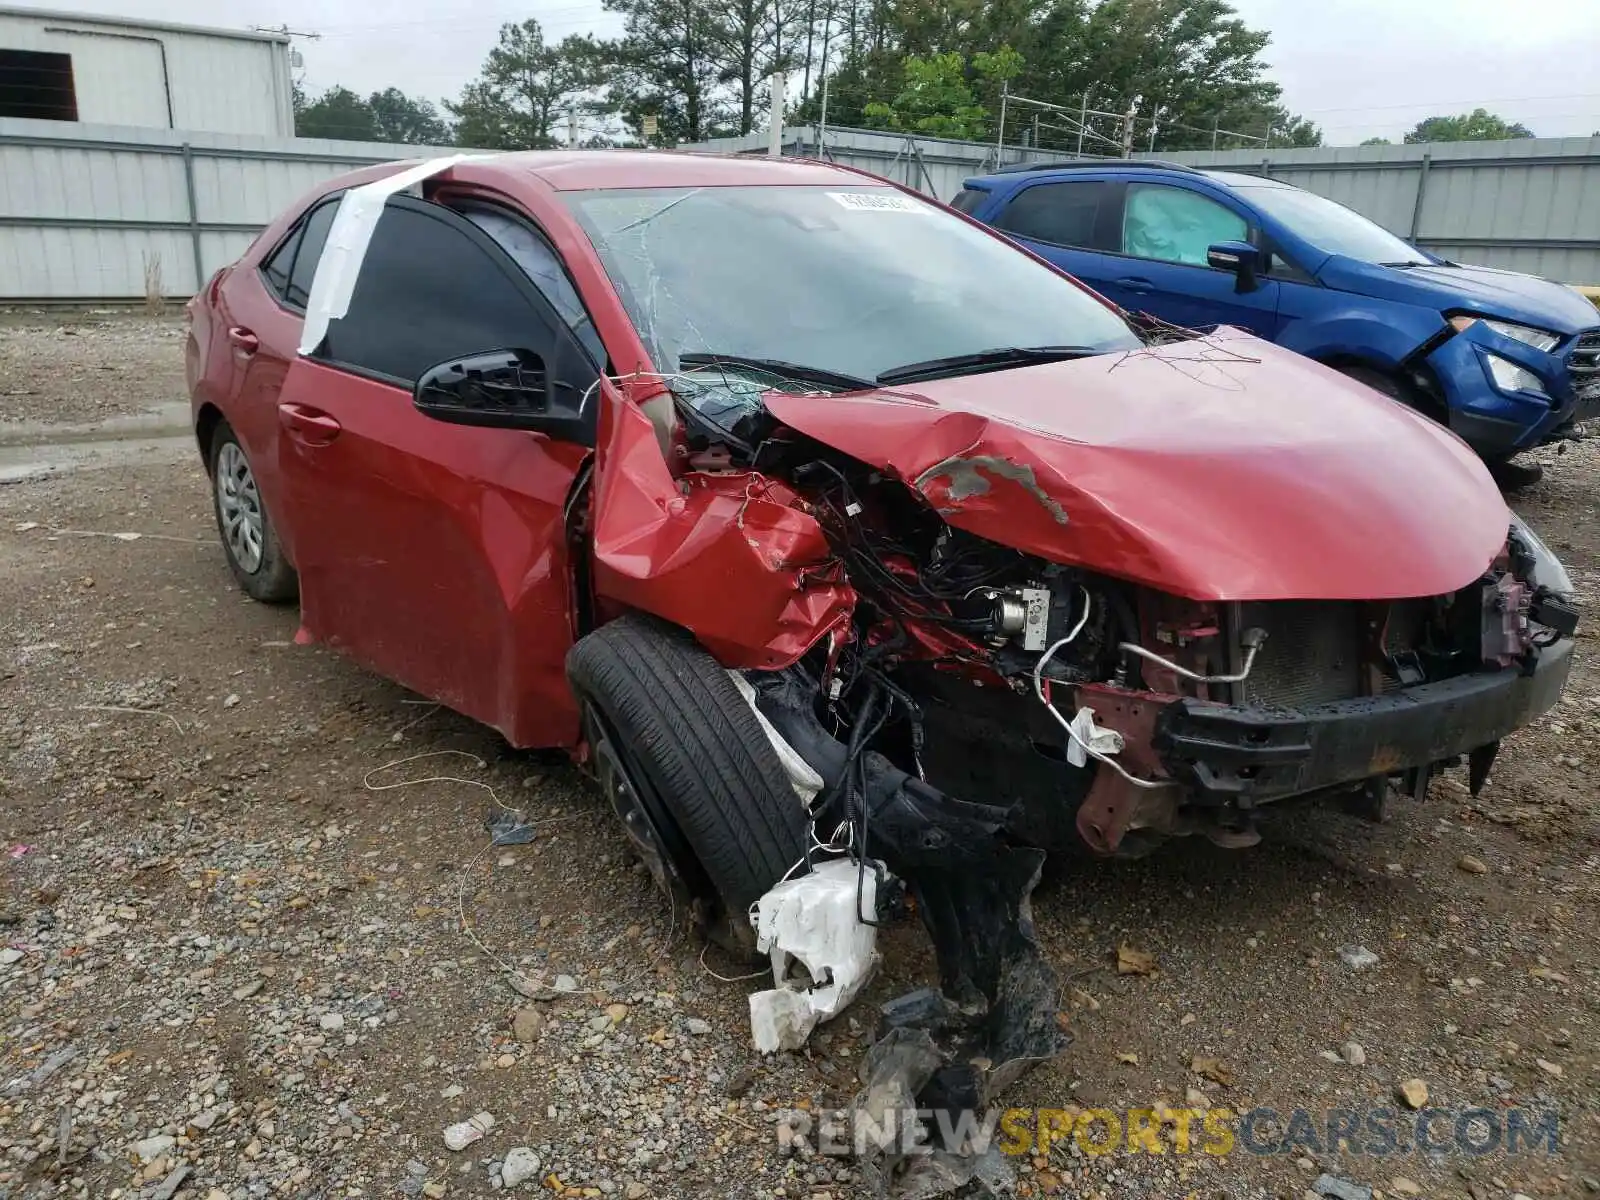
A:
{"x":309,"y":425}
{"x":243,"y":340}
{"x":1137,"y":284}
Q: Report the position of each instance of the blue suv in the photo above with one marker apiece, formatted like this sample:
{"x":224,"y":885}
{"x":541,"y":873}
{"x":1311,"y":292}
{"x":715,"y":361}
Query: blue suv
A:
{"x":1507,"y":361}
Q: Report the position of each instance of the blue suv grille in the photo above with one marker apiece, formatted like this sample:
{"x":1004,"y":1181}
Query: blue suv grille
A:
{"x":1584,"y":363}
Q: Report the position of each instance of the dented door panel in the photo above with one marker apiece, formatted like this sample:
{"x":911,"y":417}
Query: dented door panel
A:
{"x":435,"y":554}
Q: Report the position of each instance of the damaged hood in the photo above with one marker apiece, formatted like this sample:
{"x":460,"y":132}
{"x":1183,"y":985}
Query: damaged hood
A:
{"x":1220,"y":469}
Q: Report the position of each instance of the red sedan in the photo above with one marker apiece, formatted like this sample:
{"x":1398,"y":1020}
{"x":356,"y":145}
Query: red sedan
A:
{"x":790,"y":500}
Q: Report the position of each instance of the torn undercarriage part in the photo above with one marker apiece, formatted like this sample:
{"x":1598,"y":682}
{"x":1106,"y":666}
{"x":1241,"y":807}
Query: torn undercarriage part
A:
{"x":995,"y":1013}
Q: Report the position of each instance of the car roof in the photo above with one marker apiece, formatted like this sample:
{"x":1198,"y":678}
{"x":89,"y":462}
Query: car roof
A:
{"x":1239,"y":179}
{"x":579,"y":170}
{"x":1007,"y":176}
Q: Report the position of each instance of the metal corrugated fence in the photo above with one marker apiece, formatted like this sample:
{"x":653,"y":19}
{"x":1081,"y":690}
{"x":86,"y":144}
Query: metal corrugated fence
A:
{"x":1529,"y":205}
{"x":83,"y":208}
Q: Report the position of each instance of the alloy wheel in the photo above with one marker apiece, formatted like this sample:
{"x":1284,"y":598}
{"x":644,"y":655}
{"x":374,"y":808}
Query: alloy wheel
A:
{"x":239,"y":506}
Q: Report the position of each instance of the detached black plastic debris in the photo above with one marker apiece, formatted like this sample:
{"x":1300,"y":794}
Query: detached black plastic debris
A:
{"x":949,"y":1052}
{"x":508,"y":827}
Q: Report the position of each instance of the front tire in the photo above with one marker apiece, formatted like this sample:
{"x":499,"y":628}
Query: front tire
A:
{"x":249,"y":540}
{"x":683,"y":760}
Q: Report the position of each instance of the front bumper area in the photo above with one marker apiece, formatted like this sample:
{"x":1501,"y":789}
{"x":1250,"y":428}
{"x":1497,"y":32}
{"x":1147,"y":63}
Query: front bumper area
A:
{"x":1245,"y":756}
{"x":1497,"y":422}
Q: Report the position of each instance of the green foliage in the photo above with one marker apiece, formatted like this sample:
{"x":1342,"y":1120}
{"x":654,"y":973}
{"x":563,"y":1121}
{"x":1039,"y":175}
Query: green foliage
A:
{"x":666,"y":66}
{"x":1479,"y":125}
{"x":1377,"y":141}
{"x":1192,"y":62}
{"x":399,"y":118}
{"x":1191,"y":71}
{"x":520,"y":99}
{"x":937,"y":96}
{"x":386,"y":116}
{"x":337,"y":113}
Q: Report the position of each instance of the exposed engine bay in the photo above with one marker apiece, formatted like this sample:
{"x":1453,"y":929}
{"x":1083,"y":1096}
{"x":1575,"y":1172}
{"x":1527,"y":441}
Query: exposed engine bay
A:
{"x":981,"y":706}
{"x":974,"y":666}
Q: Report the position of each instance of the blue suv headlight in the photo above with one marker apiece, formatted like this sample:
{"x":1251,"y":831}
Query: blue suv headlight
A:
{"x":1526,"y":334}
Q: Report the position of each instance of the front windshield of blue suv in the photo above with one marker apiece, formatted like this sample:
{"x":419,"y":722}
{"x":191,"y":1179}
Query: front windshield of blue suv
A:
{"x":849,"y":279}
{"x":1332,"y":227}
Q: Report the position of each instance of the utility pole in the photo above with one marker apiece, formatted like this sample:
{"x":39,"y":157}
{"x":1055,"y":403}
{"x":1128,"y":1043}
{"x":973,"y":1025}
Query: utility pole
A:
{"x":572,"y":127}
{"x":1127,"y":127}
{"x":822,"y":125}
{"x":1083,"y":120}
{"x":775,"y":123}
{"x":1000,"y":138}
{"x":1155,"y":113}
{"x":1215,"y":123}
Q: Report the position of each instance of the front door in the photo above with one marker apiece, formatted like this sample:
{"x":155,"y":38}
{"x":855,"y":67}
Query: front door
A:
{"x":433,"y":553}
{"x":1166,"y":231}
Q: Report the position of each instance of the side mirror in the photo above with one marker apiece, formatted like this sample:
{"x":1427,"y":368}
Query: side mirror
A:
{"x":502,"y":389}
{"x":1241,"y":258}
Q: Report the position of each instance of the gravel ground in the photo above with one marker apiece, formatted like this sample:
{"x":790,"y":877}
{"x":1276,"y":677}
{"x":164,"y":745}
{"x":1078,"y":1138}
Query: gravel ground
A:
{"x":86,"y":366}
{"x":236,"y":965}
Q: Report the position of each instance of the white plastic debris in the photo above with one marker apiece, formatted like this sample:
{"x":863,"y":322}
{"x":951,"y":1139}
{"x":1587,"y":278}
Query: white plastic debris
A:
{"x":781,"y":1019}
{"x":520,"y":1165}
{"x":807,"y":783}
{"x":463,"y":1133}
{"x":813,"y":921}
{"x":1357,"y":958}
{"x":347,"y":242}
{"x":1096,"y":737}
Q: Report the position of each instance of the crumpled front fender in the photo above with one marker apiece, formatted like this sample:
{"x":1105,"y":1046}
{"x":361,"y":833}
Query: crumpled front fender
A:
{"x":731,"y":556}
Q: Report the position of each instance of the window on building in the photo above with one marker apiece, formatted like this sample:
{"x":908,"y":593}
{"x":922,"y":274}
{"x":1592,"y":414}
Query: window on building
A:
{"x":37,"y":85}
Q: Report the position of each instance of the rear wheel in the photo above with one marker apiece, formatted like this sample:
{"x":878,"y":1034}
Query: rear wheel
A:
{"x":255,"y":556}
{"x":689,"y":770}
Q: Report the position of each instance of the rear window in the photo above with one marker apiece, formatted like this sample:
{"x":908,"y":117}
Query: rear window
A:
{"x":968,"y":199}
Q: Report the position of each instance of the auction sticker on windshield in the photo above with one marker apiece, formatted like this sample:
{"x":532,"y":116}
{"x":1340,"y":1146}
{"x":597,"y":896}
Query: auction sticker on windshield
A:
{"x":878,"y":202}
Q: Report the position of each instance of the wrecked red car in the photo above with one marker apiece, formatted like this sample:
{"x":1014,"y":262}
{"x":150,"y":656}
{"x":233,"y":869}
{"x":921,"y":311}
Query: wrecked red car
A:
{"x":821,"y":521}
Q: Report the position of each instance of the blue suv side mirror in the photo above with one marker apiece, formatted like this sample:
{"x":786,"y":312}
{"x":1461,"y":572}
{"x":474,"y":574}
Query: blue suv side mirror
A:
{"x":1243,"y":259}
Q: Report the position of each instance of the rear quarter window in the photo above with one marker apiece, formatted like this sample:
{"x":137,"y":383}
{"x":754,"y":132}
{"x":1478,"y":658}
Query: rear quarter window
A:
{"x":968,"y":200}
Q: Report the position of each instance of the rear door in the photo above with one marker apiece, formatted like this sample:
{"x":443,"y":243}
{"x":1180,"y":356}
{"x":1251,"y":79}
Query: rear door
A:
{"x":433,"y":553}
{"x":1166,"y":230}
{"x":1072,"y":223}
{"x":260,"y":314}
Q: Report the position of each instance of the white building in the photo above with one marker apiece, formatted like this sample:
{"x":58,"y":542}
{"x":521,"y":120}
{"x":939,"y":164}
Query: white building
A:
{"x":59,"y":66}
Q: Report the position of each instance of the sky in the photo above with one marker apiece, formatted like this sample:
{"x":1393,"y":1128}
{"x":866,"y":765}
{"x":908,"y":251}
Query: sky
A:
{"x":1359,"y":68}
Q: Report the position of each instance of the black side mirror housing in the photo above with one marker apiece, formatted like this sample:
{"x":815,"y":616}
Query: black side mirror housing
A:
{"x":500,"y":389}
{"x":1241,"y":258}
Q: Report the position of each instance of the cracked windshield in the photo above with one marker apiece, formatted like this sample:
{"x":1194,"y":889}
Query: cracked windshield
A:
{"x":849,"y":282}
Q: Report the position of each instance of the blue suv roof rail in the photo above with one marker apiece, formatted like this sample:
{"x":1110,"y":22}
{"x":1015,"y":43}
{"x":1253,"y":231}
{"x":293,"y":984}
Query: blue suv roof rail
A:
{"x":1086,"y":164}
